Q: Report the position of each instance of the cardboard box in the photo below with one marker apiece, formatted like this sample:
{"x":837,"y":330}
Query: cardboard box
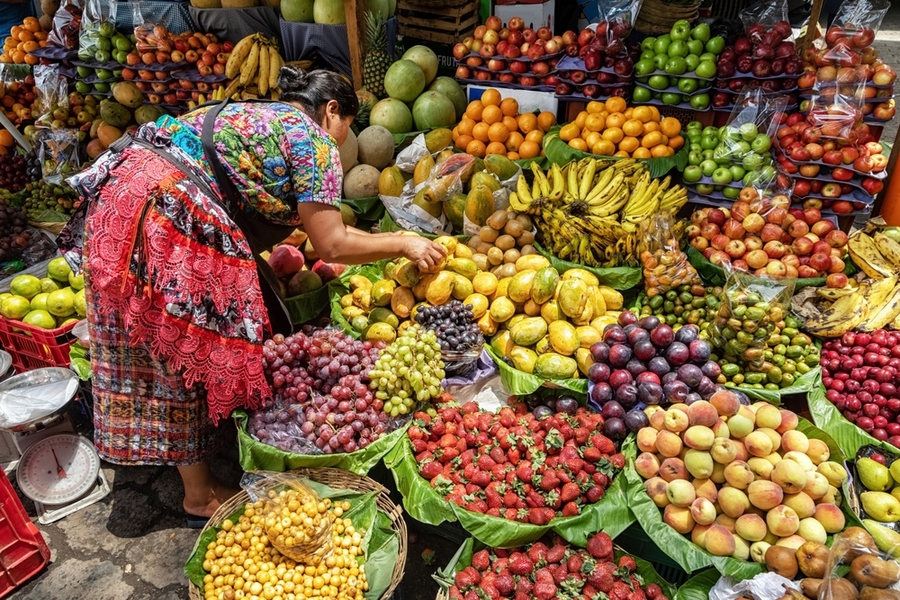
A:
{"x":528,"y":100}
{"x":534,"y":15}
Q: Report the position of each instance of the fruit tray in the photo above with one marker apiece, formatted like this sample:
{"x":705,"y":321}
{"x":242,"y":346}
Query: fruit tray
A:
{"x":24,"y":551}
{"x":742,"y":75}
{"x":583,"y":98}
{"x":109,"y":65}
{"x":807,"y":96}
{"x":194,"y":75}
{"x":32,"y":347}
{"x":94,"y":79}
{"x":484,"y":69}
{"x":546,"y":57}
{"x":54,"y":53}
{"x":708,"y":180}
{"x":718,"y":200}
{"x":167,"y":66}
{"x":730,"y":107}
{"x":571,"y":63}
{"x":672,"y":88}
{"x":856,"y":486}
{"x":507,"y":86}
{"x":854,"y":196}
{"x":879,"y":175}
{"x":826,"y":177}
{"x":881,"y":86}
{"x":681,"y":105}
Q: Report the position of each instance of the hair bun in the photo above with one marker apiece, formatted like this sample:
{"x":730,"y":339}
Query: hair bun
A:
{"x":292,"y":78}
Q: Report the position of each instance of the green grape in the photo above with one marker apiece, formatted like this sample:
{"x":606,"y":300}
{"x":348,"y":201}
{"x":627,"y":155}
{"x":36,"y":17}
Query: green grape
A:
{"x":408,"y":371}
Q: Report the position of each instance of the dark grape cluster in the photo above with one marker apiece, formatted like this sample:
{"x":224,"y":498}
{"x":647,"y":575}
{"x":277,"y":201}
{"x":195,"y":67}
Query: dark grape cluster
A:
{"x":455,"y":326}
{"x":14,"y":235}
{"x":13,"y":172}
{"x":34,"y":166}
{"x":323,"y":401}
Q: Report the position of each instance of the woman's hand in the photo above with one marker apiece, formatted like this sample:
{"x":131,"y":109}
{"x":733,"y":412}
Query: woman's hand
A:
{"x":422,"y":251}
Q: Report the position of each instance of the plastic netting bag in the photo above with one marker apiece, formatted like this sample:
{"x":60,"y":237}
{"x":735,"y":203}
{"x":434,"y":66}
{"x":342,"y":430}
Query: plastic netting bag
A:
{"x":66,"y":25}
{"x":617,"y":19}
{"x":767,"y":22}
{"x":666,"y":267}
{"x":749,"y":310}
{"x":858,"y":567}
{"x":58,"y":154}
{"x":98,"y":26}
{"x":51,"y":96}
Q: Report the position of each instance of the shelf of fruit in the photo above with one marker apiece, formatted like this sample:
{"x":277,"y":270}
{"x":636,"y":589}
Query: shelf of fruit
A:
{"x":21,"y":41}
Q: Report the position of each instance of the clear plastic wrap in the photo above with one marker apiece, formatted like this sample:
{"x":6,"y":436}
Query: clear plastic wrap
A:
{"x":617,"y":19}
{"x":860,"y":565}
{"x":755,"y":113}
{"x":765,"y":17}
{"x":836,"y":110}
{"x":66,"y":25}
{"x":98,"y":25}
{"x":58,"y":154}
{"x":666,"y":267}
{"x":858,"y":21}
{"x":51,"y":98}
{"x":151,"y":37}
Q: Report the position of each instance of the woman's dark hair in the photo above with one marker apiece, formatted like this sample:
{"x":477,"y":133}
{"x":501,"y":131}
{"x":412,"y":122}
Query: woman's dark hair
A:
{"x":314,"y":89}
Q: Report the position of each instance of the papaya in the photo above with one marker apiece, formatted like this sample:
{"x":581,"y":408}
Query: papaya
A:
{"x":115,"y":114}
{"x":528,"y":331}
{"x":462,"y":287}
{"x":391,"y":182}
{"x":521,"y":285}
{"x":487,"y":180}
{"x":464,"y":266}
{"x":598,"y":300}
{"x":554,"y":366}
{"x":388,"y":271}
{"x":479,"y":304}
{"x":423,"y":170}
{"x":421,"y":287}
{"x":551,"y":312}
{"x":502,"y":167}
{"x":502,"y":309}
{"x":502,"y":287}
{"x":523,"y":359}
{"x":543,"y":346}
{"x":588,"y":336}
{"x":563,"y":337}
{"x":586,"y":315}
{"x":531,"y":308}
{"x":443,"y":155}
{"x":402,"y":301}
{"x":381,"y":292}
{"x":612,"y":299}
{"x":463,"y":251}
{"x":422,"y":201}
{"x":454,"y":209}
{"x":351,"y":312}
{"x":501,"y":344}
{"x":438,"y":139}
{"x":544,"y":285}
{"x":346,"y":300}
{"x":572,"y":297}
{"x":516,"y":318}
{"x":535,"y":262}
{"x":485,"y":283}
{"x":440,"y":289}
{"x":479,"y":205}
{"x":362,"y":298}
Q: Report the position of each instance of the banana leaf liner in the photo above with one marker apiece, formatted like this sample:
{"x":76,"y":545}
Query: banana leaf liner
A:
{"x":366,"y":209}
{"x":520,"y":383}
{"x":698,"y":586}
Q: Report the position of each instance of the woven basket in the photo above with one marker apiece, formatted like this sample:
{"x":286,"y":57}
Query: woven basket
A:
{"x":239,"y":3}
{"x":337,"y":479}
{"x":206,"y":3}
{"x":662,"y":15}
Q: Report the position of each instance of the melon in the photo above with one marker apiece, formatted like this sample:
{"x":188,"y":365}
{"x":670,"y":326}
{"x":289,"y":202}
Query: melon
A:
{"x":448,"y":87}
{"x":329,"y":12}
{"x":148,"y":113}
{"x":425,"y":58}
{"x":393,"y":115}
{"x":376,"y":146}
{"x":404,"y":80}
{"x":114,"y":114}
{"x":297,"y":11}
{"x":127,"y":94}
{"x":381,"y":8}
{"x":361,"y":182}
{"x":349,"y":152}
{"x":433,"y":110}
{"x":366,"y":97}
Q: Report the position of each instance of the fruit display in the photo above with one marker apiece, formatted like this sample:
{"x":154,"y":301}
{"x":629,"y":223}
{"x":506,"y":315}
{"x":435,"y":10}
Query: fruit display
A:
{"x":723,"y":160}
{"x":55,"y":301}
{"x":13,"y":171}
{"x":686,"y":304}
{"x":588,"y":211}
{"x":613,"y":128}
{"x":539,"y":469}
{"x":749,"y":480}
{"x":21,"y":41}
{"x":505,"y":236}
{"x":540,"y":570}
{"x":677,"y":67}
{"x":455,"y":326}
{"x":408,"y":371}
{"x":43,"y":196}
{"x":766,"y":237}
{"x":17,"y":100}
{"x":252,"y":67}
{"x":493,"y":125}
{"x":104,"y":121}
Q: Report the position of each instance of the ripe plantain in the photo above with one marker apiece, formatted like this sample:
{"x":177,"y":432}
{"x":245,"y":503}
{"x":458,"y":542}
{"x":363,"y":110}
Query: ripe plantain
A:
{"x":275,"y":64}
{"x":884,"y":313}
{"x":889,"y":249}
{"x":843,"y":316}
{"x":248,"y":69}
{"x":263,"y":80}
{"x":238,"y":54}
{"x":865,"y":254}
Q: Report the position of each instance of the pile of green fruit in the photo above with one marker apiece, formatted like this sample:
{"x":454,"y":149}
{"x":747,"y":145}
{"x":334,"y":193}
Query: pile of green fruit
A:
{"x":45,"y":197}
{"x":55,"y":301}
{"x":686,"y":304}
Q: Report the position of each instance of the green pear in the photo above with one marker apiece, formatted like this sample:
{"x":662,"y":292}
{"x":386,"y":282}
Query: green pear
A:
{"x":886,"y":538}
{"x":881,"y":506}
{"x":874,"y":476}
{"x":895,"y":471}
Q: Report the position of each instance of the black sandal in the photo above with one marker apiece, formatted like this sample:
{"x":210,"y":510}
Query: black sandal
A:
{"x":196,"y":521}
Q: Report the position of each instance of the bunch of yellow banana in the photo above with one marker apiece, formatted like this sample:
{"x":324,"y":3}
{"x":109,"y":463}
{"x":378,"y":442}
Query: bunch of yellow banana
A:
{"x":253,"y":68}
{"x":216,"y":95}
{"x":874,"y":303}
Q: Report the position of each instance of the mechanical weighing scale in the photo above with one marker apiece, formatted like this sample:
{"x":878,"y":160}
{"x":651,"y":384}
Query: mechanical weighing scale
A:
{"x":59,"y":469}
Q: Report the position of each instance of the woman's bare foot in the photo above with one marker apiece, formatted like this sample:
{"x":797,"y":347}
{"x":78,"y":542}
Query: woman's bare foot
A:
{"x":217,"y":496}
{"x":203,"y":493}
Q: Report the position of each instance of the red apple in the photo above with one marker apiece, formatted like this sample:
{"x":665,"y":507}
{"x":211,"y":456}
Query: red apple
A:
{"x":735,"y":248}
{"x":771,"y":232}
{"x":822,"y":228}
{"x":836,"y":280}
{"x":752,"y":242}
{"x":809,"y":170}
{"x":719,"y":241}
{"x":820,"y":262}
{"x":774,"y":249}
{"x":494,"y":23}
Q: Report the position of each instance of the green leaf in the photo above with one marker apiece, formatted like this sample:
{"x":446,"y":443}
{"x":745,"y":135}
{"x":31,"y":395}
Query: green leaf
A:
{"x":424,"y":504}
{"x":381,"y":556}
{"x":525,"y":163}
{"x":341,"y":286}
{"x":388,"y":224}
{"x":82,"y":367}
{"x":366,"y":209}
{"x":257,"y":456}
{"x":802,"y":385}
{"x":618,"y":278}
{"x":520,"y":383}
{"x":51,"y":216}
{"x":401,"y":140}
{"x":308,"y":306}
{"x":698,"y":586}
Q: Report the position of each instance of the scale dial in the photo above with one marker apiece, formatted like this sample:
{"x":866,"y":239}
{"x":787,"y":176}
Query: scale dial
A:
{"x":58,"y":469}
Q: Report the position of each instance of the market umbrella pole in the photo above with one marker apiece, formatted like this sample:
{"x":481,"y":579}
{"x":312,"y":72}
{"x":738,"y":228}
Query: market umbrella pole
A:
{"x":15,"y":132}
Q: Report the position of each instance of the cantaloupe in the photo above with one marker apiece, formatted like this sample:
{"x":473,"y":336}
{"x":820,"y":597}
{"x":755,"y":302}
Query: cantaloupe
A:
{"x":361,"y":182}
{"x":376,"y":146}
{"x":349,"y":152}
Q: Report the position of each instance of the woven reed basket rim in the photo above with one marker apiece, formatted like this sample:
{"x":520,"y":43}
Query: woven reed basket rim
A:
{"x":334,"y":478}
{"x":657,"y":9}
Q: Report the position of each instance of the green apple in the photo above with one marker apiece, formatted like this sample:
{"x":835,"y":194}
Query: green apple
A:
{"x":751,"y":162}
{"x":640,"y":94}
{"x":695,"y":158}
{"x":687,"y":85}
{"x":659,"y":82}
{"x":737,"y":172}
{"x":708,"y":142}
{"x":709,"y":167}
{"x":750,"y":178}
{"x":701,"y":33}
{"x":709,"y":154}
{"x":724,"y":153}
{"x":647,"y":55}
{"x":711,"y":131}
{"x":82,"y":87}
{"x":695,"y":147}
{"x":700,"y":101}
{"x":744,"y":147}
{"x":678,"y":48}
{"x":661,"y":45}
{"x":656,"y":95}
{"x":660,"y":60}
{"x":731,"y":192}
{"x":705,"y":188}
{"x":722,"y":176}
{"x":706,"y":69}
{"x":102,"y":56}
{"x":709,"y":56}
{"x":715,"y":45}
{"x":694,"y":125}
{"x":748,"y":131}
{"x":695,"y":47}
{"x":692,"y":174}
{"x":761,"y":144}
{"x":671,"y":98}
{"x":692,"y":61}
{"x":676,"y":66}
{"x":644,"y":67}
{"x":767,"y":173}
{"x":648,"y":42}
{"x":681,"y":30}
{"x":84,"y":72}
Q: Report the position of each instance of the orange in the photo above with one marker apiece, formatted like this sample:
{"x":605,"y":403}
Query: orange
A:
{"x":498,"y":133}
{"x":581,"y":119}
{"x":527,"y":122}
{"x":529,"y":149}
{"x":579,"y":144}
{"x":40,"y":35}
{"x":641,"y":153}
{"x":454,"y":133}
{"x":509,"y":106}
{"x":466,"y":125}
{"x":670,"y":126}
{"x":31,"y":60}
{"x":594,"y":123}
{"x":655,"y":111}
{"x":18,"y":57}
{"x":629,"y":144}
{"x":661,"y":151}
{"x":616,"y":104}
{"x":615,"y":119}
{"x":633,"y":127}
{"x":613,"y":134}
{"x":31,"y":24}
{"x":511,"y":123}
{"x":491,"y":98}
{"x":591,"y":138}
{"x":603,"y":148}
{"x":463,"y":141}
{"x":595,"y":106}
{"x":3,"y":151}
{"x":650,"y":127}
{"x":474,"y":110}
{"x":480,"y":132}
{"x":513,"y":155}
{"x":643,"y":114}
{"x":654,"y":138}
{"x":676,"y":142}
{"x":514,"y":140}
{"x":6,"y":139}
{"x":569,"y":131}
{"x":30,"y":46}
{"x":476,"y":148}
{"x":25,"y":36}
{"x":495,"y":148}
{"x":623,"y":154}
{"x":546,"y":120}
{"x":536,"y":136}
{"x":15,"y":31}
{"x":629,"y":112}
{"x":492,"y":114}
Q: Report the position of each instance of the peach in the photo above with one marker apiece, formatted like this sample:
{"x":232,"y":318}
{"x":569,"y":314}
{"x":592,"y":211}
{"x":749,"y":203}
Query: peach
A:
{"x":801,"y":459}
{"x":834,"y":472}
{"x":773,"y":458}
{"x":718,"y":474}
{"x":668,"y":444}
{"x":738,"y":474}
{"x":831,"y":517}
{"x":719,"y":541}
{"x":698,"y":535}
{"x":646,"y":439}
{"x":698,"y":463}
{"x":768,"y":416}
{"x":816,"y":485}
{"x":782,"y":521}
{"x":832,"y":496}
{"x":790,"y":476}
{"x":703,"y":511}
{"x":773,"y":437}
{"x":672,"y":469}
{"x":678,"y":518}
{"x":733,"y":502}
{"x":758,"y":443}
{"x":818,"y":451}
{"x":812,"y":531}
{"x":681,"y":492}
{"x":789,"y":421}
{"x":699,"y":437}
{"x":741,"y":549}
{"x":792,"y":542}
{"x":703,"y":413}
{"x":723,"y":450}
{"x":751,"y":527}
{"x":706,"y":488}
{"x":742,"y":453}
{"x":726,"y":522}
{"x":764,"y":494}
{"x":758,"y":551}
{"x":742,"y":423}
{"x":721,"y":429}
{"x":646,"y":465}
{"x":802,"y":504}
{"x":770,"y":538}
{"x":725,"y":402}
{"x":676,"y":420}
{"x":658,"y":420}
{"x":794,"y":441}
{"x":656,"y":489}
{"x":760,"y":467}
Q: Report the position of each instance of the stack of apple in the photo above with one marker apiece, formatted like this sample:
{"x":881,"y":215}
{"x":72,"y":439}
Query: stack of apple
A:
{"x":739,"y":479}
{"x":767,"y":238}
{"x":597,"y":64}
{"x":831,"y":173}
{"x":514,"y":55}
{"x":760,"y":59}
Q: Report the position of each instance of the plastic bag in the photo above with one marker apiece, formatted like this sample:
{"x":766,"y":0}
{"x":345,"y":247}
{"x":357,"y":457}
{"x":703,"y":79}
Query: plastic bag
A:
{"x":295,"y":519}
{"x":58,"y":153}
{"x":871,"y":567}
{"x":835,"y":111}
{"x":617,"y":19}
{"x":750,"y":307}
{"x":278,"y":427}
{"x":98,"y":25}
{"x":858,"y":21}
{"x":666,"y":267}
{"x":755,"y":113}
{"x":66,"y":25}
{"x":767,"y":22}
{"x":51,"y":96}
{"x":150,"y":36}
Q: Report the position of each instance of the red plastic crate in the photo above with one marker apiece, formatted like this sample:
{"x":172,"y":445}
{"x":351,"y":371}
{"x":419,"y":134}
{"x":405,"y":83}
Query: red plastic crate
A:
{"x":23,"y":552}
{"x":33,"y":348}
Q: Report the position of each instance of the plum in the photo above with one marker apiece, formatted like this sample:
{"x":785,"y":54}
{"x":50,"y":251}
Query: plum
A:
{"x":649,"y":323}
{"x":662,"y":336}
{"x":690,"y":375}
{"x":567,"y":404}
{"x":687,"y":334}
{"x":644,"y":349}
{"x":612,"y":410}
{"x":598,"y":372}
{"x":670,"y":377}
{"x":627,"y":395}
{"x":636,"y":419}
{"x":626,"y":317}
{"x":649,"y":393}
{"x":699,"y":352}
{"x":677,"y":354}
{"x":613,"y":334}
{"x":541,"y":411}
{"x":635,"y":367}
{"x":692,"y":397}
{"x":706,"y":387}
{"x":648,"y":376}
{"x":601,"y":392}
{"x":620,"y":377}
{"x":636,"y":335}
{"x":659,"y":365}
{"x":600,"y":352}
{"x":615,"y":429}
{"x":676,"y":391}
{"x":619,"y":355}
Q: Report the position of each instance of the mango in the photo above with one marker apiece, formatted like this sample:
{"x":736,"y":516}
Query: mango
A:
{"x":351,"y":312}
{"x":425,"y":199}
{"x":487,"y":324}
{"x":563,"y":337}
{"x":406,"y":273}
{"x":381,"y":292}
{"x":479,"y":304}
{"x":485,"y":283}
{"x":543,"y":346}
{"x":381,"y":332}
{"x":423,"y":170}
{"x":419,"y":289}
{"x":545,"y":282}
{"x":554,"y":366}
{"x":359,"y":323}
{"x":598,"y":300}
{"x":462,"y":287}
{"x":391,"y":182}
{"x":383,"y":315}
{"x":500,"y":166}
{"x":358,"y":281}
{"x":445,"y":154}
{"x":521,"y":285}
{"x":502,"y":309}
{"x":528,"y":331}
{"x":464,"y":266}
{"x":346,"y":300}
{"x":487,"y":180}
{"x":523,"y":359}
{"x":516,"y":318}
{"x":402,"y":301}
{"x":362,"y":298}
{"x":387,"y":272}
{"x":586,"y":314}
{"x":501,"y":343}
{"x":582,"y":274}
{"x":463,"y":251}
{"x":479,"y":204}
{"x":584,"y":359}
{"x":502,"y":287}
{"x":440,"y":289}
{"x":534,"y":262}
{"x":613,"y":299}
{"x":531,"y":308}
{"x":600,"y":323}
{"x":572,"y":297}
{"x":588,"y":336}
{"x":448,"y":242}
{"x":551,"y":312}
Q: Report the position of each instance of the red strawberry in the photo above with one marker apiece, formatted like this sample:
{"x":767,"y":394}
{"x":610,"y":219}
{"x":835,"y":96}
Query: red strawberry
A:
{"x":494,"y":499}
{"x":653,"y":591}
{"x":620,"y":591}
{"x":544,"y":574}
{"x":602,"y":579}
{"x":575,"y":465}
{"x":467,"y":578}
{"x":511,"y":514}
{"x":582,"y":435}
{"x":485,"y":462}
{"x":537,"y":516}
{"x":507,"y":417}
{"x":600,"y":546}
{"x":472,"y":489}
{"x":472,"y":595}
{"x":563,"y":476}
{"x":566,"y":430}
{"x":510,"y":499}
{"x":628,"y":562}
{"x":520,"y":564}
{"x":561,"y":573}
{"x":544,"y":590}
{"x":637,"y":594}
{"x":524,"y":586}
{"x":477,"y":506}
{"x":603,"y":444}
{"x":505,"y":583}
{"x":594,"y":494}
{"x":491,"y":591}
{"x":469,"y":407}
{"x":522,"y":596}
{"x":498,"y":455}
{"x":574,"y":563}
{"x":501,"y":553}
{"x":538,"y":553}
{"x":514,"y":455}
{"x":481,"y":478}
{"x":549,"y":481}
{"x":525,"y":472}
{"x":556,"y":553}
{"x":500,"y":565}
{"x":600,"y":479}
{"x":499,"y":471}
{"x":592,"y":454}
{"x":570,"y":509}
{"x":569,"y":492}
{"x":481,"y":560}
{"x":454,"y":593}
{"x":488,"y":578}
{"x":617,"y":460}
{"x":493,"y":512}
{"x":467,"y":457}
{"x":419,"y":446}
{"x":535,"y":500}
{"x":430,"y":470}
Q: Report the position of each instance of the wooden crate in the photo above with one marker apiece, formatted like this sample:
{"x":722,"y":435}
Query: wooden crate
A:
{"x":440,"y":25}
